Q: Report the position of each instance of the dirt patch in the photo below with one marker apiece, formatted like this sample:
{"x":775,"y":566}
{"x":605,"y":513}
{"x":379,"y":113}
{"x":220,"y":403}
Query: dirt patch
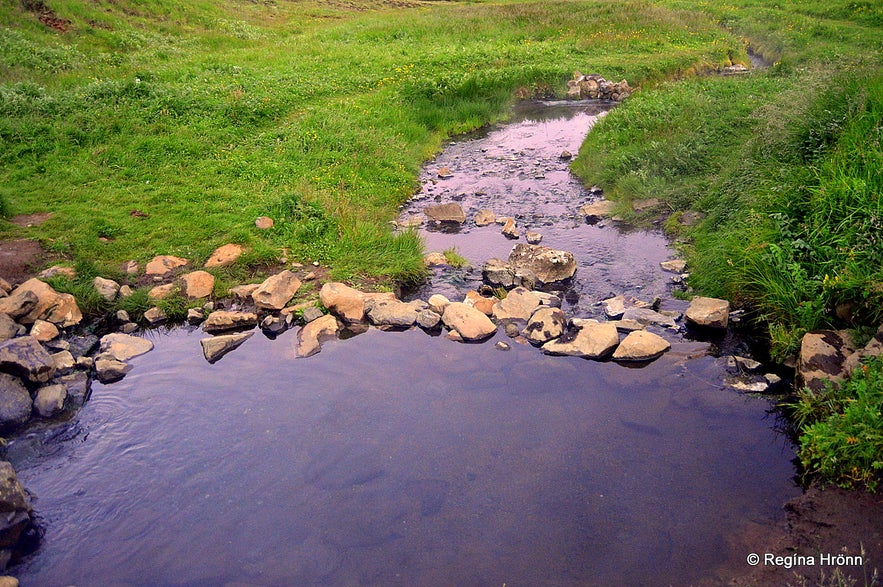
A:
{"x":821,"y":522}
{"x":47,"y":16}
{"x":18,"y":258}
{"x":28,"y":220}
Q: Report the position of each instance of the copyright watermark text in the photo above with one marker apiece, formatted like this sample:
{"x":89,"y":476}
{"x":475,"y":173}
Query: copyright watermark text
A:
{"x":769,"y":559}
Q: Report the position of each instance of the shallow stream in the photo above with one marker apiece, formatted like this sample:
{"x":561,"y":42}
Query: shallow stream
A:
{"x":398,"y":458}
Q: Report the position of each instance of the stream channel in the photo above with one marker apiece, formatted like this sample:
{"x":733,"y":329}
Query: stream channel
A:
{"x":398,"y":458}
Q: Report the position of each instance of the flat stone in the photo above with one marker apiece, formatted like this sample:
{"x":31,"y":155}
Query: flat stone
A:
{"x":15,"y":403}
{"x":641,"y":345}
{"x":123,"y":347}
{"x":518,"y":304}
{"x":264,"y":222}
{"x":450,"y":212}
{"x":106,"y":288}
{"x":163,"y":265}
{"x":593,"y":340}
{"x":224,"y":256}
{"x":49,"y":401}
{"x":276,"y":291}
{"x":470,"y":323}
{"x":198,"y":284}
{"x":484,"y":217}
{"x":25,"y":357}
{"x":155,"y":316}
{"x":708,"y":312}
{"x":221,"y":320}
{"x":647,"y":316}
{"x":310,"y":337}
{"x":674,"y":265}
{"x":641,"y":205}
{"x":215,"y":347}
{"x":44,"y":331}
{"x":544,"y":325}
{"x":597,"y":210}
{"x":445,"y":173}
{"x":58,"y":270}
{"x":627,"y":325}
{"x":162,"y":292}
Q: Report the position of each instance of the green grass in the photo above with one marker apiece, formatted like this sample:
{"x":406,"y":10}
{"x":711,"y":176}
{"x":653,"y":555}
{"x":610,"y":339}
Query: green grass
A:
{"x":842,"y":429}
{"x":205,"y":115}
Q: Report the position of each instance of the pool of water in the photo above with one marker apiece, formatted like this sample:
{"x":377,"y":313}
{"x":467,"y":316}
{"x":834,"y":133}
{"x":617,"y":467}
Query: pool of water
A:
{"x":400,"y":459}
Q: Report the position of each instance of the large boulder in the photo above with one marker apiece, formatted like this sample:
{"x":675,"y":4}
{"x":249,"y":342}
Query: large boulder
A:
{"x":519,"y":304}
{"x":548,"y":265}
{"x":641,"y":345}
{"x":468,"y":322}
{"x":545,"y":324}
{"x":276,"y":291}
{"x":18,"y":304}
{"x":593,"y":340}
{"x":450,"y":212}
{"x":215,"y":347}
{"x":343,"y":301}
{"x":15,"y":403}
{"x":393,"y":313}
{"x":198,"y":284}
{"x":123,"y":347}
{"x":222,"y":320}
{"x":25,"y":357}
{"x":310,"y":337}
{"x":60,"y":309}
{"x":708,"y":312}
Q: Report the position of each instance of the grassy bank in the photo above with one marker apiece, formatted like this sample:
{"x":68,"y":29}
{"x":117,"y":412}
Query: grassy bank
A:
{"x":159,"y":127}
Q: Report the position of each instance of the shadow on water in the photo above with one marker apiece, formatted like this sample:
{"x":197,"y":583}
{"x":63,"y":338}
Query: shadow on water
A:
{"x":397,"y":458}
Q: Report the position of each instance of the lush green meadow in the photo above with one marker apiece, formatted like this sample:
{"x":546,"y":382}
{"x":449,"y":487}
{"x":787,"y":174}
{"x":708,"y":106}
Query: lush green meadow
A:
{"x":164,"y":127}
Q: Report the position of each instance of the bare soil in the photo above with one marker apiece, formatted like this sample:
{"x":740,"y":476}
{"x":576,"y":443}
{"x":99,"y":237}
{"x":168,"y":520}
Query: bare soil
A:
{"x":19,"y":258}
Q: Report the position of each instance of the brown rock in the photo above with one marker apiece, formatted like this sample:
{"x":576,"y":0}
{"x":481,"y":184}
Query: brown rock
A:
{"x":708,"y":312}
{"x":434,"y":259}
{"x":597,"y":210}
{"x":243,"y":292}
{"x":198,"y":284}
{"x":822,"y":356}
{"x":545,"y":324}
{"x":161,"y":292}
{"x":106,"y":288}
{"x":60,"y":309}
{"x":593,"y":340}
{"x":479,"y":302}
{"x":163,"y":265}
{"x":264,"y":222}
{"x":215,"y":347}
{"x":343,"y":301}
{"x":310,"y":337}
{"x":44,"y":331}
{"x":123,"y":347}
{"x":468,"y":322}
{"x":224,"y":256}
{"x":509,"y":229}
{"x":450,"y":212}
{"x":641,"y":346}
{"x":222,"y":320}
{"x":520,"y":304}
{"x":484,"y":217}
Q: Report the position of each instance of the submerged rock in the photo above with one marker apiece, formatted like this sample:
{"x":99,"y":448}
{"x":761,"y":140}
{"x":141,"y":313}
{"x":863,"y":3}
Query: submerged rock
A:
{"x":123,"y":347}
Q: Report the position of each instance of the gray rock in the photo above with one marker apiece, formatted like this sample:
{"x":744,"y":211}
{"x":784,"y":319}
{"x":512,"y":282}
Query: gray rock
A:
{"x":15,"y":403}
{"x":276,"y":291}
{"x":26,"y":358}
{"x":123,"y":347}
{"x":18,"y":304}
{"x":450,"y":212}
{"x":78,"y":386}
{"x":273,"y":325}
{"x":593,"y":340}
{"x":544,"y":325}
{"x":106,"y":288}
{"x":215,"y":347}
{"x":428,"y":319}
{"x":82,"y":345}
{"x":8,"y":328}
{"x":222,"y":320}
{"x":498,"y":273}
{"x":311,"y":313}
{"x":128,"y":328}
{"x":108,"y":369}
{"x":647,"y":316}
{"x":641,"y":345}
{"x":14,"y":505}
{"x":518,"y":304}
{"x":615,"y":307}
{"x":64,"y":362}
{"x":708,"y":312}
{"x":548,"y":265}
{"x":469,"y":323}
{"x":123,"y":316}
{"x":392,"y":313}
{"x":49,"y":401}
{"x":195,"y":316}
